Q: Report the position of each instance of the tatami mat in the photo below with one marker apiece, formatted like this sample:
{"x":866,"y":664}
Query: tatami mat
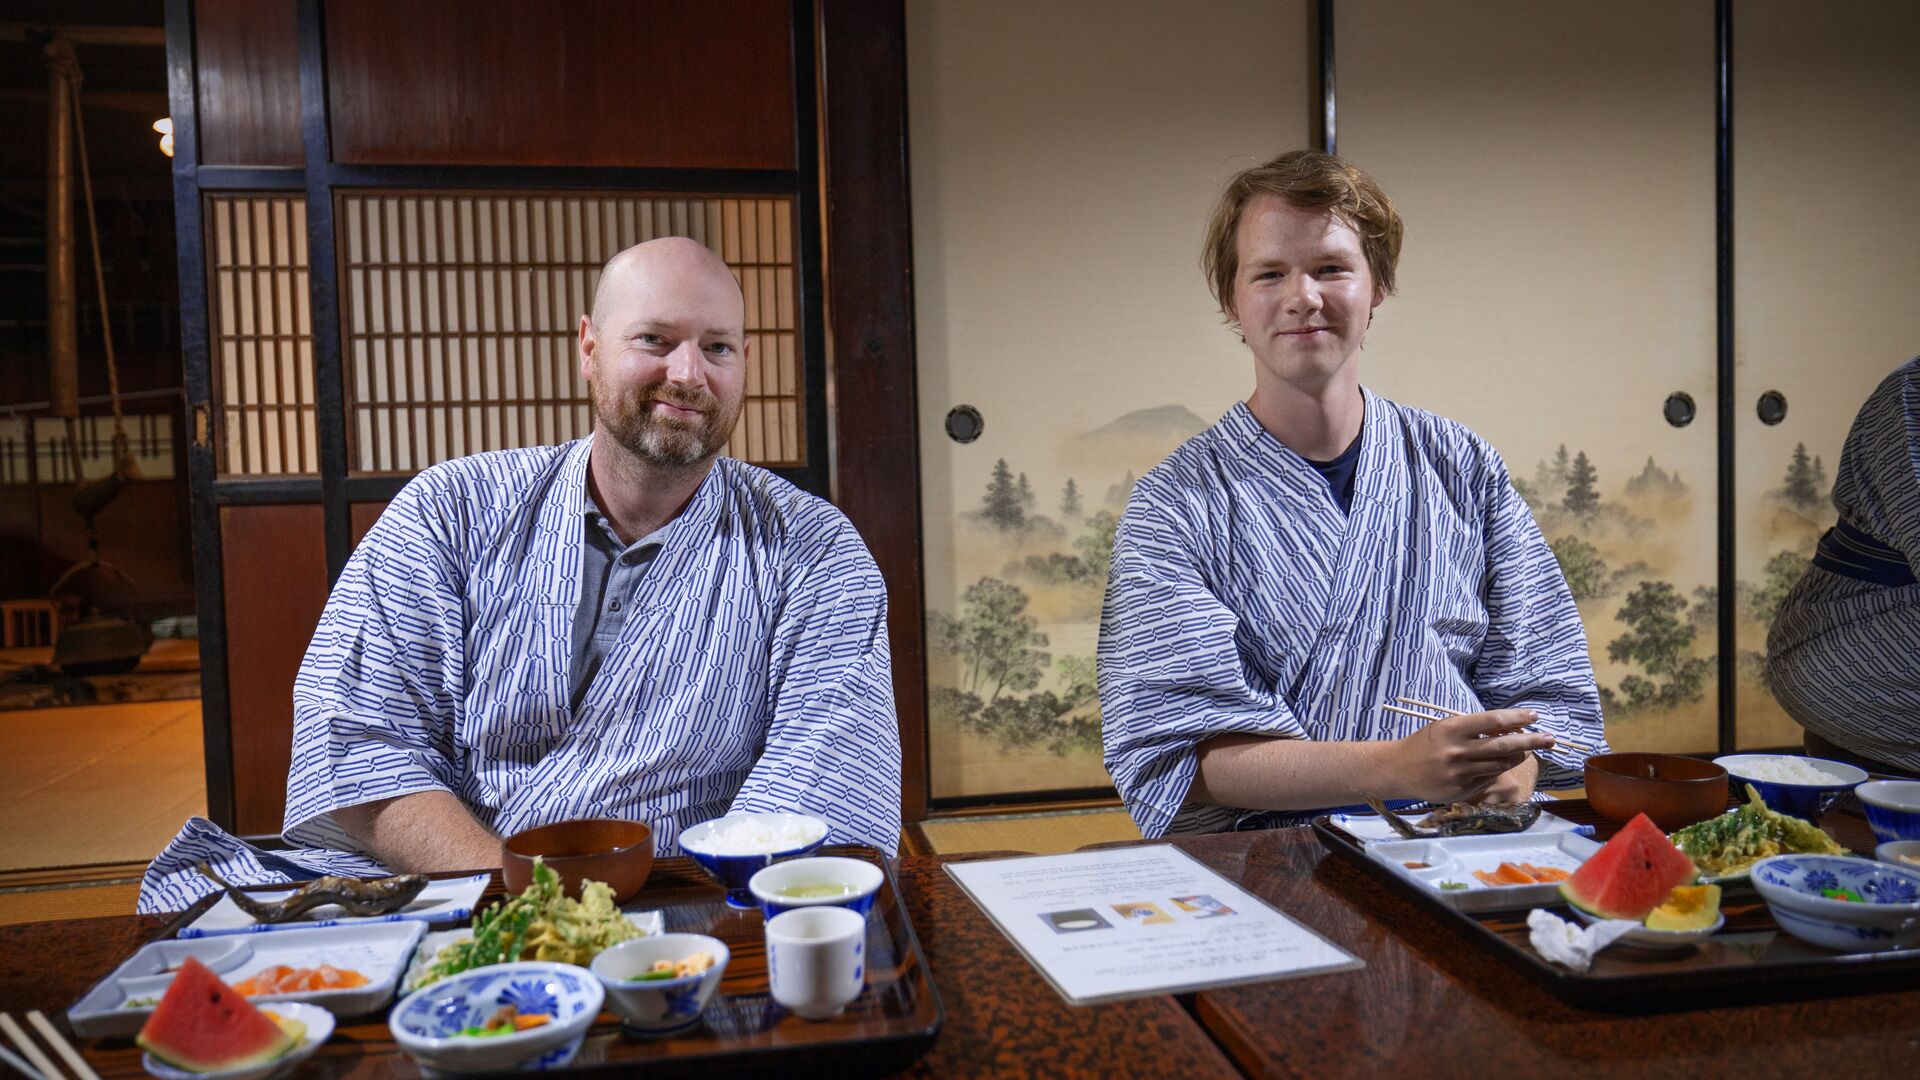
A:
{"x":100,"y":783}
{"x":1040,"y":833}
{"x":76,"y":902}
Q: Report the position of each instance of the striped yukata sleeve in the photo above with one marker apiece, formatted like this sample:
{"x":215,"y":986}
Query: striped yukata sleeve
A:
{"x":1170,"y":671}
{"x":377,"y":697}
{"x":833,"y":743}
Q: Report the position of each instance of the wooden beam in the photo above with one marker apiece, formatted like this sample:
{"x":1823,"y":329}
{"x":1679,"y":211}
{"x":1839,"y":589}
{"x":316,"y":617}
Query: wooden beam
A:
{"x":870,"y":283}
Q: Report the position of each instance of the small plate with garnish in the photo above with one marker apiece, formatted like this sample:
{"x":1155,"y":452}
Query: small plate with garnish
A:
{"x":1647,"y":937}
{"x":347,"y":970}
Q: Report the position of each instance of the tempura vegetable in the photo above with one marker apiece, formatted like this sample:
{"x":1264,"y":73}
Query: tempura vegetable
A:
{"x":539,"y":924}
{"x":1743,"y":836}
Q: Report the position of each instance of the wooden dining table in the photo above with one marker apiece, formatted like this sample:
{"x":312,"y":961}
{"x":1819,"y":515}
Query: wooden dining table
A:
{"x":1431,"y":1000}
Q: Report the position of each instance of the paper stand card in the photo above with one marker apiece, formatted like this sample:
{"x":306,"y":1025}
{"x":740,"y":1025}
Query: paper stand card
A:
{"x":1131,"y":922}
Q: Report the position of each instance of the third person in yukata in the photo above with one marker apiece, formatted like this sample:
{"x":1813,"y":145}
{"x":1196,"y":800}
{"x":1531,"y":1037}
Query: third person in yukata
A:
{"x":1321,"y":552}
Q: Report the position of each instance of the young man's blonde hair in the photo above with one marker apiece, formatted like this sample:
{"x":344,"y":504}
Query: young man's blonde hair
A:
{"x":1309,"y":180}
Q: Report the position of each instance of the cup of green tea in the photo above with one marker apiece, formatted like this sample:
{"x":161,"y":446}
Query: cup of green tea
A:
{"x":819,"y":881}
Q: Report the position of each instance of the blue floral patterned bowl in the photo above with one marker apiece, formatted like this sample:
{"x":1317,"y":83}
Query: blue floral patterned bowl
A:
{"x":719,"y":847}
{"x":1842,"y":902}
{"x":1804,"y":801}
{"x":660,"y":1007}
{"x":1893,"y":808}
{"x":427,"y":1024}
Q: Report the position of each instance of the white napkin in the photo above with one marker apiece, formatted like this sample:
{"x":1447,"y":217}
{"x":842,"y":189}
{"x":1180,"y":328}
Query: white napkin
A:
{"x":1571,"y":946}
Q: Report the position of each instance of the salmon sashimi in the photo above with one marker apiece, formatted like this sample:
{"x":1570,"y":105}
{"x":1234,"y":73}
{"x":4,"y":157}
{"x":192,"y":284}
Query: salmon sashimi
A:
{"x":1510,"y":874}
{"x":1520,"y":874}
{"x":281,"y":979}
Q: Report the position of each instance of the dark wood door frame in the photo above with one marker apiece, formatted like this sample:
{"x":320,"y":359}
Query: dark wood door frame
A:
{"x":870,"y":272}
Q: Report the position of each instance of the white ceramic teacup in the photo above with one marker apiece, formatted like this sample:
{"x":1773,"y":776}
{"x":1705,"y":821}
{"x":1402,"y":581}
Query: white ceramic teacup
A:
{"x":816,"y":959}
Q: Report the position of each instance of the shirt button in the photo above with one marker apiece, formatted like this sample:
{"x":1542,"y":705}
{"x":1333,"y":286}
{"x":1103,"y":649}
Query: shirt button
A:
{"x":615,"y":606}
{"x":630,"y":558}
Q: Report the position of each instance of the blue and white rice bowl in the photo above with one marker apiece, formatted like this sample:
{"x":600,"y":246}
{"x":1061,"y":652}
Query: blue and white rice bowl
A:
{"x":659,"y":1006}
{"x":734,"y":869}
{"x":1887,"y":915}
{"x":860,"y":877}
{"x":428,"y":1022}
{"x":1893,"y":808}
{"x":1805,"y":801}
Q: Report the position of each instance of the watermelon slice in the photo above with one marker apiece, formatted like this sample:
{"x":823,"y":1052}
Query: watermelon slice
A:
{"x":1631,"y":875}
{"x":203,"y":1025}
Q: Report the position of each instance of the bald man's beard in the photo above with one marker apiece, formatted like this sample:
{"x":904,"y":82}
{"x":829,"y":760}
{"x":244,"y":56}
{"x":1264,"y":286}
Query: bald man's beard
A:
{"x":660,"y":439}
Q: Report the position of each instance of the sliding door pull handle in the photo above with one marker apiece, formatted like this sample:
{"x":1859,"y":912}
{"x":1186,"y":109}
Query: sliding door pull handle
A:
{"x":1679,"y":409}
{"x":1772,"y":407}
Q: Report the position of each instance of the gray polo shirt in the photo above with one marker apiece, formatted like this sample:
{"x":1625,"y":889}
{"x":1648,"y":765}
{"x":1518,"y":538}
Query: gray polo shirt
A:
{"x":610,"y":574}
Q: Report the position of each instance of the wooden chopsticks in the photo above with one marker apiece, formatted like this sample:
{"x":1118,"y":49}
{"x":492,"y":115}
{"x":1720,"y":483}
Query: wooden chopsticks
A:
{"x":41,"y":1063}
{"x":1446,"y":712}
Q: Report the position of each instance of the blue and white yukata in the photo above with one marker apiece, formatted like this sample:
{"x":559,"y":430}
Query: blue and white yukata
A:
{"x":1242,"y":600}
{"x":1843,"y":654}
{"x":752,"y":673}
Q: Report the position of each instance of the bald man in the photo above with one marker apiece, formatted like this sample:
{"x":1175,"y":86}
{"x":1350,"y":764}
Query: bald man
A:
{"x":629,"y":625}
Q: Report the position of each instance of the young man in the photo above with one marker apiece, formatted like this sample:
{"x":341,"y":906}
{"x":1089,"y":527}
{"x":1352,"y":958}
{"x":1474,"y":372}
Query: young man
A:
{"x":629,"y":625}
{"x":1320,"y":552}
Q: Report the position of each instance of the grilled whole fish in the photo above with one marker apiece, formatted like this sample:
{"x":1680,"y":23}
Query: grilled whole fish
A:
{"x":358,"y":896}
{"x":1462,"y":819}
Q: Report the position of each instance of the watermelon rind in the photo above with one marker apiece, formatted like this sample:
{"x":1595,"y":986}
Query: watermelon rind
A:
{"x":203,"y":1025}
{"x":1631,"y":874}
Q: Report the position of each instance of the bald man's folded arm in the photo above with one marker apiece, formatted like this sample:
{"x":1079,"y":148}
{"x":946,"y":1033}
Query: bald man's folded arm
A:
{"x":424,"y":832}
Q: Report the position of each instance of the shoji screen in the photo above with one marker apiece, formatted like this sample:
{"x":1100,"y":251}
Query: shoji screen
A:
{"x":262,"y":337}
{"x":459,"y":319}
{"x":461,"y":316}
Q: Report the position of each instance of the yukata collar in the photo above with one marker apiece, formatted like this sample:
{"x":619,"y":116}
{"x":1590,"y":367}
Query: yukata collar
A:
{"x":1373,"y":480}
{"x":698,"y":519}
{"x":1244,"y":428}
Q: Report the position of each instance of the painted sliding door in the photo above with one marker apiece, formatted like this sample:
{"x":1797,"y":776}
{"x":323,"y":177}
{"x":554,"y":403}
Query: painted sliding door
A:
{"x":1554,"y":163}
{"x":1065,"y":157}
{"x":1826,"y":251}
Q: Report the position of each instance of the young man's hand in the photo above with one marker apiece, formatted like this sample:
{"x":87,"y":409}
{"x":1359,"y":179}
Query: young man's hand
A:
{"x":1468,"y":757}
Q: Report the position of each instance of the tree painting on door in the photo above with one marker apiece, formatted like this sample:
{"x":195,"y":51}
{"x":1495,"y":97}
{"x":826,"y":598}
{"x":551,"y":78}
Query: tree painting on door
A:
{"x":1655,"y":641}
{"x":1011,"y":681}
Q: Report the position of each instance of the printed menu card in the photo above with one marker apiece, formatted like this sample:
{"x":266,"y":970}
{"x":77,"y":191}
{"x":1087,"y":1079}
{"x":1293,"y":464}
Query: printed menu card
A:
{"x":1130,"y":922}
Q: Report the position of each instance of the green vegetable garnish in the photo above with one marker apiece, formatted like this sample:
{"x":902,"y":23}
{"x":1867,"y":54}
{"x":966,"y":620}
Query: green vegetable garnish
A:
{"x":1843,"y":894}
{"x":1452,"y":885}
{"x":653,"y":976}
{"x":540,"y":924}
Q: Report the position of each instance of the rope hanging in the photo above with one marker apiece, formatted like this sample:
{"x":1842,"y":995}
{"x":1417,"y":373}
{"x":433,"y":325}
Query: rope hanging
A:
{"x":122,"y":453}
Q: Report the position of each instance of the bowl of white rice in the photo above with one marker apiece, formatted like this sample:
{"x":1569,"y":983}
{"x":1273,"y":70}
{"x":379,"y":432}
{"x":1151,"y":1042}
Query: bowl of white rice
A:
{"x":1802,"y":787}
{"x":735,"y":847}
